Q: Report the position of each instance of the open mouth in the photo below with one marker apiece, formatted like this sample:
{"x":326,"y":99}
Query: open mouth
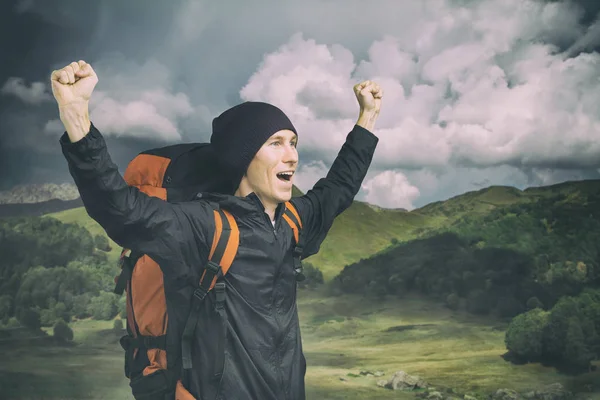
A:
{"x":285,"y":176}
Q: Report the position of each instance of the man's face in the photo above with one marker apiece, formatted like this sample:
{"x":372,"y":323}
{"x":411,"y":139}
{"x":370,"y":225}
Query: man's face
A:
{"x":270,"y":174}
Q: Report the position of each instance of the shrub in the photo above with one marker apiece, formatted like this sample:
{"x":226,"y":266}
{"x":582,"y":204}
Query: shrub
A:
{"x":62,"y":331}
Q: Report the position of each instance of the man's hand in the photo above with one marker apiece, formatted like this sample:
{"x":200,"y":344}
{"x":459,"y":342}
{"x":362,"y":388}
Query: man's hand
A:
{"x":369,"y":96}
{"x":73,"y":84}
{"x":72,"y":87}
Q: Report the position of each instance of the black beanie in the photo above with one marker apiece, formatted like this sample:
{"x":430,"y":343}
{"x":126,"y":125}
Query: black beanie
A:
{"x":239,"y":133}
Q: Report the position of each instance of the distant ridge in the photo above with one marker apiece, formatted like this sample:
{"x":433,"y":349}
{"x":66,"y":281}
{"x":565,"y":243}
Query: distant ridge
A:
{"x":39,"y":193}
{"x":38,"y":209}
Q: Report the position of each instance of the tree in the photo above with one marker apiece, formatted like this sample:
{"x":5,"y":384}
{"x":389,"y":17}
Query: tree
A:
{"x":577,"y":353}
{"x":102,"y":243}
{"x":103,"y":307}
{"x":30,"y":318}
{"x":313,"y":275}
{"x":524,"y":336}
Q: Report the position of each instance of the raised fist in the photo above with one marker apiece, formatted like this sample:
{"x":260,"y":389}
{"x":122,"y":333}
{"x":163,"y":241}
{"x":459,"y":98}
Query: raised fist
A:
{"x":73,"y":83}
{"x":369,"y":96}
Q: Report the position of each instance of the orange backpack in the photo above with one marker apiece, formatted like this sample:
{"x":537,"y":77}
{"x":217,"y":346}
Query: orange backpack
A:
{"x":175,"y":173}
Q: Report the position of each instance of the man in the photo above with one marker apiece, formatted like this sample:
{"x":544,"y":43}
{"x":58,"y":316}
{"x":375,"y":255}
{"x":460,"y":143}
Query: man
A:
{"x":262,"y":356}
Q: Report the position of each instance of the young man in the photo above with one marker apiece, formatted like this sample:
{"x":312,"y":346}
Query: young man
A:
{"x":261,"y":356}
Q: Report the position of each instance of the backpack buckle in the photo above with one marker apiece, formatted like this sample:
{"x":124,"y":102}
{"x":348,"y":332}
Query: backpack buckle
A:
{"x":298,"y":251}
{"x":213,"y":268}
{"x":220,"y":295}
{"x":200,"y":293}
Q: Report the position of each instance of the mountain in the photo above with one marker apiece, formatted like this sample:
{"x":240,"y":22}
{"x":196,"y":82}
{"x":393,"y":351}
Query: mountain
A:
{"x":38,"y":209}
{"x":364,"y":230}
{"x":29,"y":194}
{"x":36,"y":200}
{"x":497,"y":250}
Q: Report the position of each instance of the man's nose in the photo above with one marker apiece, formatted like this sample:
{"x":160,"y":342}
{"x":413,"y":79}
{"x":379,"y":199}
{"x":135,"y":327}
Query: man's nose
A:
{"x":290,"y":155}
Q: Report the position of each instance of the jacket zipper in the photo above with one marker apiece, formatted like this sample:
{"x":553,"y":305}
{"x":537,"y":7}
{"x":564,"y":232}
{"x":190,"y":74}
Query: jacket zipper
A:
{"x":279,"y":340}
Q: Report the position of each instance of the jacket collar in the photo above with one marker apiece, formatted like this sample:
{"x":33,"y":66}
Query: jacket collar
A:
{"x":240,"y":206}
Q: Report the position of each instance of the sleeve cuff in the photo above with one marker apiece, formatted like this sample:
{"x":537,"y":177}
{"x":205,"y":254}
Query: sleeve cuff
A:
{"x":365,"y":135}
{"x":93,"y":140}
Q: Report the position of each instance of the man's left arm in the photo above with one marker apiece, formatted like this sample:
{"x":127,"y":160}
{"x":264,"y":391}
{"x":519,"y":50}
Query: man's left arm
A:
{"x":332,"y":195}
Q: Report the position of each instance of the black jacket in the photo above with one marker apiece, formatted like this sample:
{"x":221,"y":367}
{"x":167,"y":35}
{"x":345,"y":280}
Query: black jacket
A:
{"x":263,"y":350}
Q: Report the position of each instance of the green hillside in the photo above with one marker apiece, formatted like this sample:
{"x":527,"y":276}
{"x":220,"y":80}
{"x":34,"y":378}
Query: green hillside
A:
{"x":364,"y":230}
{"x":509,"y":247}
{"x":80,"y":217}
{"x":361,"y":231}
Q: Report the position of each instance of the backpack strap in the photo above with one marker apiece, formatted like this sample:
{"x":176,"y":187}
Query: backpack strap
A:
{"x":224,"y":248}
{"x":127,"y":263}
{"x":293,"y":219}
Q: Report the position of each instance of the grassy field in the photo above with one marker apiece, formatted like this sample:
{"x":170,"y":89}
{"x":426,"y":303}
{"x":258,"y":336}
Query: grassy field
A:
{"x":342,"y":336}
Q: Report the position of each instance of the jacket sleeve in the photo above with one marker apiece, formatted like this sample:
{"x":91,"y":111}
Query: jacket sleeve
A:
{"x":331,"y":195}
{"x":164,"y":231}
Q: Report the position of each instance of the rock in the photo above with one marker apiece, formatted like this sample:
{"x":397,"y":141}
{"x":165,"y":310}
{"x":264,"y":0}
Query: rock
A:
{"x":506,"y":394}
{"x":379,"y":373}
{"x":367,"y":373}
{"x":382,"y":383}
{"x":343,"y":379}
{"x":402,"y":381}
{"x":467,"y":397}
{"x":555,"y":391}
{"x":435,"y":396}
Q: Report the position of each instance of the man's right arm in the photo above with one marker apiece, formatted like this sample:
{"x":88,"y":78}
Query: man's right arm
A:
{"x":130,"y":217}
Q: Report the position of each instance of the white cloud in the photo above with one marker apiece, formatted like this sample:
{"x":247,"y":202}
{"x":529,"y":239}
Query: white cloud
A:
{"x":307,"y":175}
{"x":391,"y":189}
{"x":464,"y":88}
{"x":138,"y":100}
{"x":34,"y":94}
{"x":153,"y":114}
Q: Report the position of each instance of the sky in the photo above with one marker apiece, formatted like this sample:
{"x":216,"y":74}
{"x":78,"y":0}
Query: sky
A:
{"x":476,"y":92}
